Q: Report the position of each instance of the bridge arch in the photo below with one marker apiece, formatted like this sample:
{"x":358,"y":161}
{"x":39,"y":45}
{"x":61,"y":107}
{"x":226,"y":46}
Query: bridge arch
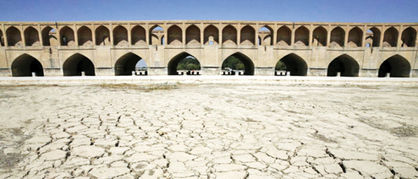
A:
{"x":284,"y":36}
{"x":174,"y":35}
{"x":302,"y":36}
{"x":355,"y":37}
{"x":67,"y":36}
{"x":409,"y":36}
{"x":396,"y":65}
{"x":138,"y":36}
{"x":172,"y":66}
{"x":76,"y":64}
{"x":156,"y":35}
{"x":126,"y":64}
{"x":390,"y":37}
{"x":294,"y":64}
{"x":25,"y":65}
{"x":229,"y":35}
{"x":102,"y":35}
{"x":120,"y":36}
{"x":31,"y":36}
{"x":319,"y":37}
{"x":211,"y":35}
{"x":193,"y":35}
{"x":247,"y":35}
{"x":13,"y":36}
{"x":245,"y":60}
{"x":265,"y":35}
{"x":337,"y":37}
{"x":49,"y":36}
{"x":84,"y":36}
{"x":345,"y":64}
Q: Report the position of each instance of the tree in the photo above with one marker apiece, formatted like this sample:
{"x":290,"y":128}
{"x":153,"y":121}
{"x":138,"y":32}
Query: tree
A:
{"x":280,"y":66}
{"x":233,"y":63}
{"x":188,"y":63}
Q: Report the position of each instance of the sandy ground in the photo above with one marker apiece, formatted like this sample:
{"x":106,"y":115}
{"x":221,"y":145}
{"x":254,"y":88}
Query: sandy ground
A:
{"x":210,"y":130}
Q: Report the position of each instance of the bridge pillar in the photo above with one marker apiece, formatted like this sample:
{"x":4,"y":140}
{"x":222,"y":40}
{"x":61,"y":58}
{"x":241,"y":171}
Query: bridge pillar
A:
{"x":414,"y":73}
{"x":264,"y":71}
{"x":317,"y":72}
{"x":368,"y":72}
{"x":156,"y":71}
{"x":210,"y":70}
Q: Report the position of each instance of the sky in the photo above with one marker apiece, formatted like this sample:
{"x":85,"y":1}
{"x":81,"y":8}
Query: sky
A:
{"x":262,"y":10}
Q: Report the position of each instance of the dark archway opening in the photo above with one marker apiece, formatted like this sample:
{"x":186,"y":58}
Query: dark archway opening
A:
{"x":76,"y":64}
{"x":184,"y":63}
{"x":293,"y":64}
{"x":130,"y":64}
{"x":25,"y":65}
{"x":236,"y":63}
{"x":396,"y":65}
{"x":345,"y":65}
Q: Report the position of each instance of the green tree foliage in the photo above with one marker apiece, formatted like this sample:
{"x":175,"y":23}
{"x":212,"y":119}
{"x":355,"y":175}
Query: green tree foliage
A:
{"x":280,"y":66}
{"x":188,"y":63}
{"x":233,"y":63}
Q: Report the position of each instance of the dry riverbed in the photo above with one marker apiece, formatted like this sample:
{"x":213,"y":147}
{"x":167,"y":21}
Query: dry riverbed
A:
{"x":208,"y":131}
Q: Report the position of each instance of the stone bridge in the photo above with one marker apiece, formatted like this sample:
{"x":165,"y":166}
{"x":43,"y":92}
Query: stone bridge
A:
{"x":114,"y":47}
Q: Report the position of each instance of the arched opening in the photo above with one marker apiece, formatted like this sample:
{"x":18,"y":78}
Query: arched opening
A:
{"x":319,"y":37}
{"x":184,"y":63}
{"x":174,"y":35}
{"x":13,"y":37}
{"x":49,"y":37}
{"x":138,"y":36}
{"x":156,"y":35}
{"x":229,"y":35}
{"x":265,"y":36}
{"x":67,"y":36}
{"x":396,"y":65}
{"x":345,"y":65}
{"x":25,"y":65}
{"x":409,"y":36}
{"x":84,"y":36}
{"x":302,"y":36}
{"x":31,"y":37}
{"x":102,"y":36}
{"x":284,"y":36}
{"x":211,"y":35}
{"x":373,"y":37}
{"x":390,"y":37}
{"x":193,"y":36}
{"x":120,"y":36}
{"x":292,"y":64}
{"x":337,"y":37}
{"x":247,"y":36}
{"x":355,"y":37}
{"x":129,"y":64}
{"x":76,"y":64}
{"x":239,"y":64}
{"x":1,"y":38}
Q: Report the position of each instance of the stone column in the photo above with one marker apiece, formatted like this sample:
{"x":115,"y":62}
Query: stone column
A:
{"x":256,"y":40}
{"x":201,"y":34}
{"x":239,"y":34}
{"x":310,"y":35}
{"x":399,"y":40}
{"x":328,"y":36}
{"x":111,"y":34}
{"x":93,"y":34}
{"x":75,"y":34}
{"x":292,"y":36}
{"x":4,"y":36}
{"x":346,"y":36}
{"x":165,"y":34}
{"x":40,"y":35}
{"x":183,"y":34}
{"x":382,"y":36}
{"x":147,"y":32}
{"x":363,"y":39}
{"x":22,"y":35}
{"x":220,"y":34}
{"x":274,"y":34}
{"x":59,"y":36}
{"x":129,"y":34}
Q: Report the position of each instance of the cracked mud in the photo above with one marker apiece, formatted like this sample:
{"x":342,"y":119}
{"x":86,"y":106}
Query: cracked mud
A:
{"x":208,"y":131}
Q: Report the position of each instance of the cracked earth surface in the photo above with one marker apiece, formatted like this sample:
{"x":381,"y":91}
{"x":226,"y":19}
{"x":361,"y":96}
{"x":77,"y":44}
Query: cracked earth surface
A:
{"x":209,"y":131}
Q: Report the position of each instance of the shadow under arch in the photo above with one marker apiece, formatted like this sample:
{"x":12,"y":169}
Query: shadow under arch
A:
{"x":396,"y":65}
{"x":126,"y":64}
{"x":344,"y":64}
{"x":248,"y":64}
{"x":294,"y":64}
{"x":25,"y":65}
{"x":174,"y":62}
{"x":76,"y":64}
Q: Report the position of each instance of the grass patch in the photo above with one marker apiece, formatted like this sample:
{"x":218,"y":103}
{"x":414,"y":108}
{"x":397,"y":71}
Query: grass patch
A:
{"x":146,"y":88}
